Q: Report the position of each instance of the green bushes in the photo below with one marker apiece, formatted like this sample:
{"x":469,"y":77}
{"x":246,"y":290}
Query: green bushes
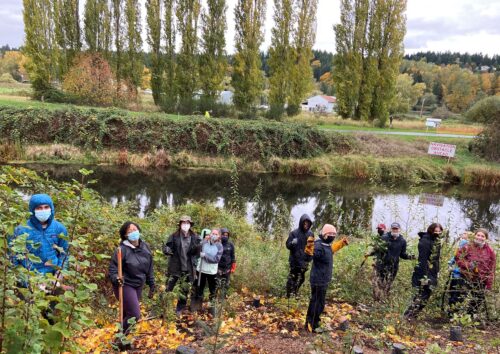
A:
{"x":486,"y":110}
{"x":486,"y":144}
{"x":116,"y":129}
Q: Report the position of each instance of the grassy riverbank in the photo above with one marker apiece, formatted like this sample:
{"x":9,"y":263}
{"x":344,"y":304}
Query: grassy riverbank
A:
{"x":155,"y":140}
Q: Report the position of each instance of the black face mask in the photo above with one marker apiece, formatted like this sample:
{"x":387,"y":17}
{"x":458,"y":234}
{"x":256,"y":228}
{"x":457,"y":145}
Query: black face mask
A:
{"x":329,"y":239}
{"x":380,"y":232}
{"x":224,"y":239}
{"x":435,"y":234}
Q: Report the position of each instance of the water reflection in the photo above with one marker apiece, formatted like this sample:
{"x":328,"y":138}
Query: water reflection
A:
{"x":352,"y":206}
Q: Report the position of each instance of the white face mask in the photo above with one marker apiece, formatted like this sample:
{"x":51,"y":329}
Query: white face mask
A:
{"x":185,"y":227}
{"x":395,"y":234}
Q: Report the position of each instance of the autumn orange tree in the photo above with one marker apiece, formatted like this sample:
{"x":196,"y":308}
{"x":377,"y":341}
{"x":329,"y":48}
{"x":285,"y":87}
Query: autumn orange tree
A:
{"x":90,"y":81}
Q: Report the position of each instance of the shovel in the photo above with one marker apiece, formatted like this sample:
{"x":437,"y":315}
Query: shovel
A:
{"x":197,"y":302}
{"x":120,"y":287}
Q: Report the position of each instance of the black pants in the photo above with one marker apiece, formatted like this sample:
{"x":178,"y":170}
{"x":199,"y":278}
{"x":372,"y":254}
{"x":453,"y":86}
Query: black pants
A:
{"x":382,"y":282}
{"x":295,"y":280}
{"x":457,"y":294}
{"x":211,"y":279}
{"x":185,"y":286}
{"x":316,"y":306}
{"x":223,"y":280}
{"x":419,"y":301}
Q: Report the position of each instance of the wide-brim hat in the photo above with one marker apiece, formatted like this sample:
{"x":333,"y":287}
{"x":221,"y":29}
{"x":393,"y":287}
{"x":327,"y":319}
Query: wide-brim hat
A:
{"x":186,"y":218}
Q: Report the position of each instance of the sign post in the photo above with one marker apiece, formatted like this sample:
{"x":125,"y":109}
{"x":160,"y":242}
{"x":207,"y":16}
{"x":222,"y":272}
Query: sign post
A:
{"x":440,"y":149}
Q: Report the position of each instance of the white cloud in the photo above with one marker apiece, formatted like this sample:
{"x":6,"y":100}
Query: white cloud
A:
{"x":439,"y":25}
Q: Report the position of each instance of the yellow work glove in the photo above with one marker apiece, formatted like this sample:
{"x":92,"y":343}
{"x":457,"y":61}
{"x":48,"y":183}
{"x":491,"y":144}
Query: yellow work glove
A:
{"x":309,"y":250}
{"x":337,"y":245}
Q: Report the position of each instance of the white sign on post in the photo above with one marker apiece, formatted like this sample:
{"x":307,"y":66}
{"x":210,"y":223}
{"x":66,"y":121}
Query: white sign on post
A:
{"x":432,"y":122}
{"x":431,"y":199}
{"x":446,"y":150}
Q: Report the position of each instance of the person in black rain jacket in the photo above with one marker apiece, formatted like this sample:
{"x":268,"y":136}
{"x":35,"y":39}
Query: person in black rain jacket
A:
{"x":387,"y":261}
{"x":227,"y":263}
{"x":137,"y":267}
{"x":425,"y":274}
{"x":296,"y":243}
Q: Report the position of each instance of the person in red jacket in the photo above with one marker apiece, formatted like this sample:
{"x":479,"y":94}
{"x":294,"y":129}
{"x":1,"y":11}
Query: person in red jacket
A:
{"x":477,"y":263}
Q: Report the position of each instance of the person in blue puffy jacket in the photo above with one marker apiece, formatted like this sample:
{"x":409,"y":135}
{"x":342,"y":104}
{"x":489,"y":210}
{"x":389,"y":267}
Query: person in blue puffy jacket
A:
{"x":45,"y":237}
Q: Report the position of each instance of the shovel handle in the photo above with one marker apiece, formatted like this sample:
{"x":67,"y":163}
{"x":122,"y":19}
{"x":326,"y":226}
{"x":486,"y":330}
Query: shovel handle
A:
{"x":120,"y":286}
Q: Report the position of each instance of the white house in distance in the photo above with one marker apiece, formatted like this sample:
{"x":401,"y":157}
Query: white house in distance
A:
{"x":320,"y":103}
{"x":226,"y":97}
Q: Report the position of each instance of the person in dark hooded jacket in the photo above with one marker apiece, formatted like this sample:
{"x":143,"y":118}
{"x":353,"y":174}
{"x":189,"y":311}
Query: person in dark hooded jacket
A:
{"x":137,"y":267}
{"x":296,"y":243}
{"x":227,"y":263}
{"x":183,"y":247}
{"x":425,"y":274}
{"x":387,"y":261}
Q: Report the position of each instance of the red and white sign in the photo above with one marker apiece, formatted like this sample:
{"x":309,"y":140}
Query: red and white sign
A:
{"x":431,"y":199}
{"x":440,"y":149}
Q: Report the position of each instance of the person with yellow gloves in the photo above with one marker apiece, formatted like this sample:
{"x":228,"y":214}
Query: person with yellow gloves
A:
{"x":321,"y":252}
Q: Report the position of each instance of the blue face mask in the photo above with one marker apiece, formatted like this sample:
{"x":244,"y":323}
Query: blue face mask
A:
{"x":134,"y":235}
{"x":43,"y":215}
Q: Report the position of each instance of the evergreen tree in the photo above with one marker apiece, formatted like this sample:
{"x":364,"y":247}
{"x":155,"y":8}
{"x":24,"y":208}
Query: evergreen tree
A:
{"x":170,"y":100}
{"x":280,"y":57}
{"x":38,"y":28}
{"x":133,"y":67}
{"x":247,"y":76}
{"x":301,"y":78}
{"x":97,"y":26}
{"x":154,"y":8}
{"x":212,"y":59}
{"x":187,"y":12}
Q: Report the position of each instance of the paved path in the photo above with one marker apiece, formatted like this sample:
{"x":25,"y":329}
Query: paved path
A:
{"x":381,"y":132}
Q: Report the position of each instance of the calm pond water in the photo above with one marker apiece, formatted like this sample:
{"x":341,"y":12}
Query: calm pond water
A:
{"x":351,"y":204}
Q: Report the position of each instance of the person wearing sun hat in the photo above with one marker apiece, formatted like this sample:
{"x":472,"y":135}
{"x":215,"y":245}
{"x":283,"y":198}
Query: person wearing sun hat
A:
{"x":182,"y":248}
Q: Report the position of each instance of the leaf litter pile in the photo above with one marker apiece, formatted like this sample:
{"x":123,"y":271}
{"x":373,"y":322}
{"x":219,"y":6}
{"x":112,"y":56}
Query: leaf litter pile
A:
{"x":277,"y":326}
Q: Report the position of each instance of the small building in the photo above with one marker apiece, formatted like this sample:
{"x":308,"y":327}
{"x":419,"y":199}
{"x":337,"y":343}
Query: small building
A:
{"x":226,"y":97}
{"x":320,"y":103}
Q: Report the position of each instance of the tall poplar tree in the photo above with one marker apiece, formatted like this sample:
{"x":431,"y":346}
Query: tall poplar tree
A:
{"x":247,"y":75}
{"x":188,"y":13}
{"x":153,"y":19}
{"x":38,"y":28}
{"x":169,"y":102}
{"x":301,"y":75}
{"x":369,"y":51}
{"x":118,"y":19}
{"x":391,"y":29}
{"x":67,"y":33}
{"x":213,"y":42}
{"x":133,"y":66}
{"x":97,"y":26}
{"x":280,"y":57}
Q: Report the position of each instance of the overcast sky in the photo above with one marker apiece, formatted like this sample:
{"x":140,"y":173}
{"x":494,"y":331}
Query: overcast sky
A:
{"x":457,"y":25}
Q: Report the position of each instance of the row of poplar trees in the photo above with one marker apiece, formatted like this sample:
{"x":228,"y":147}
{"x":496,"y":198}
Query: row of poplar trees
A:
{"x":187,"y":45}
{"x":54,"y":38}
{"x":369,"y":42}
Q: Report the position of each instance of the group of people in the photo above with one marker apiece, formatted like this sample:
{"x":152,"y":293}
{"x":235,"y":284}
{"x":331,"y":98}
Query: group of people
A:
{"x":197,"y":260}
{"x":194,"y":262}
{"x":472,"y":268}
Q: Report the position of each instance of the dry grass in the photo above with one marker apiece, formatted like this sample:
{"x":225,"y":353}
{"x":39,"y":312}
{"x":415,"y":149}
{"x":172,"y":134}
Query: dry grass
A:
{"x":378,"y":146}
{"x":54,"y":151}
{"x":460,"y":129}
{"x":482,"y":176}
